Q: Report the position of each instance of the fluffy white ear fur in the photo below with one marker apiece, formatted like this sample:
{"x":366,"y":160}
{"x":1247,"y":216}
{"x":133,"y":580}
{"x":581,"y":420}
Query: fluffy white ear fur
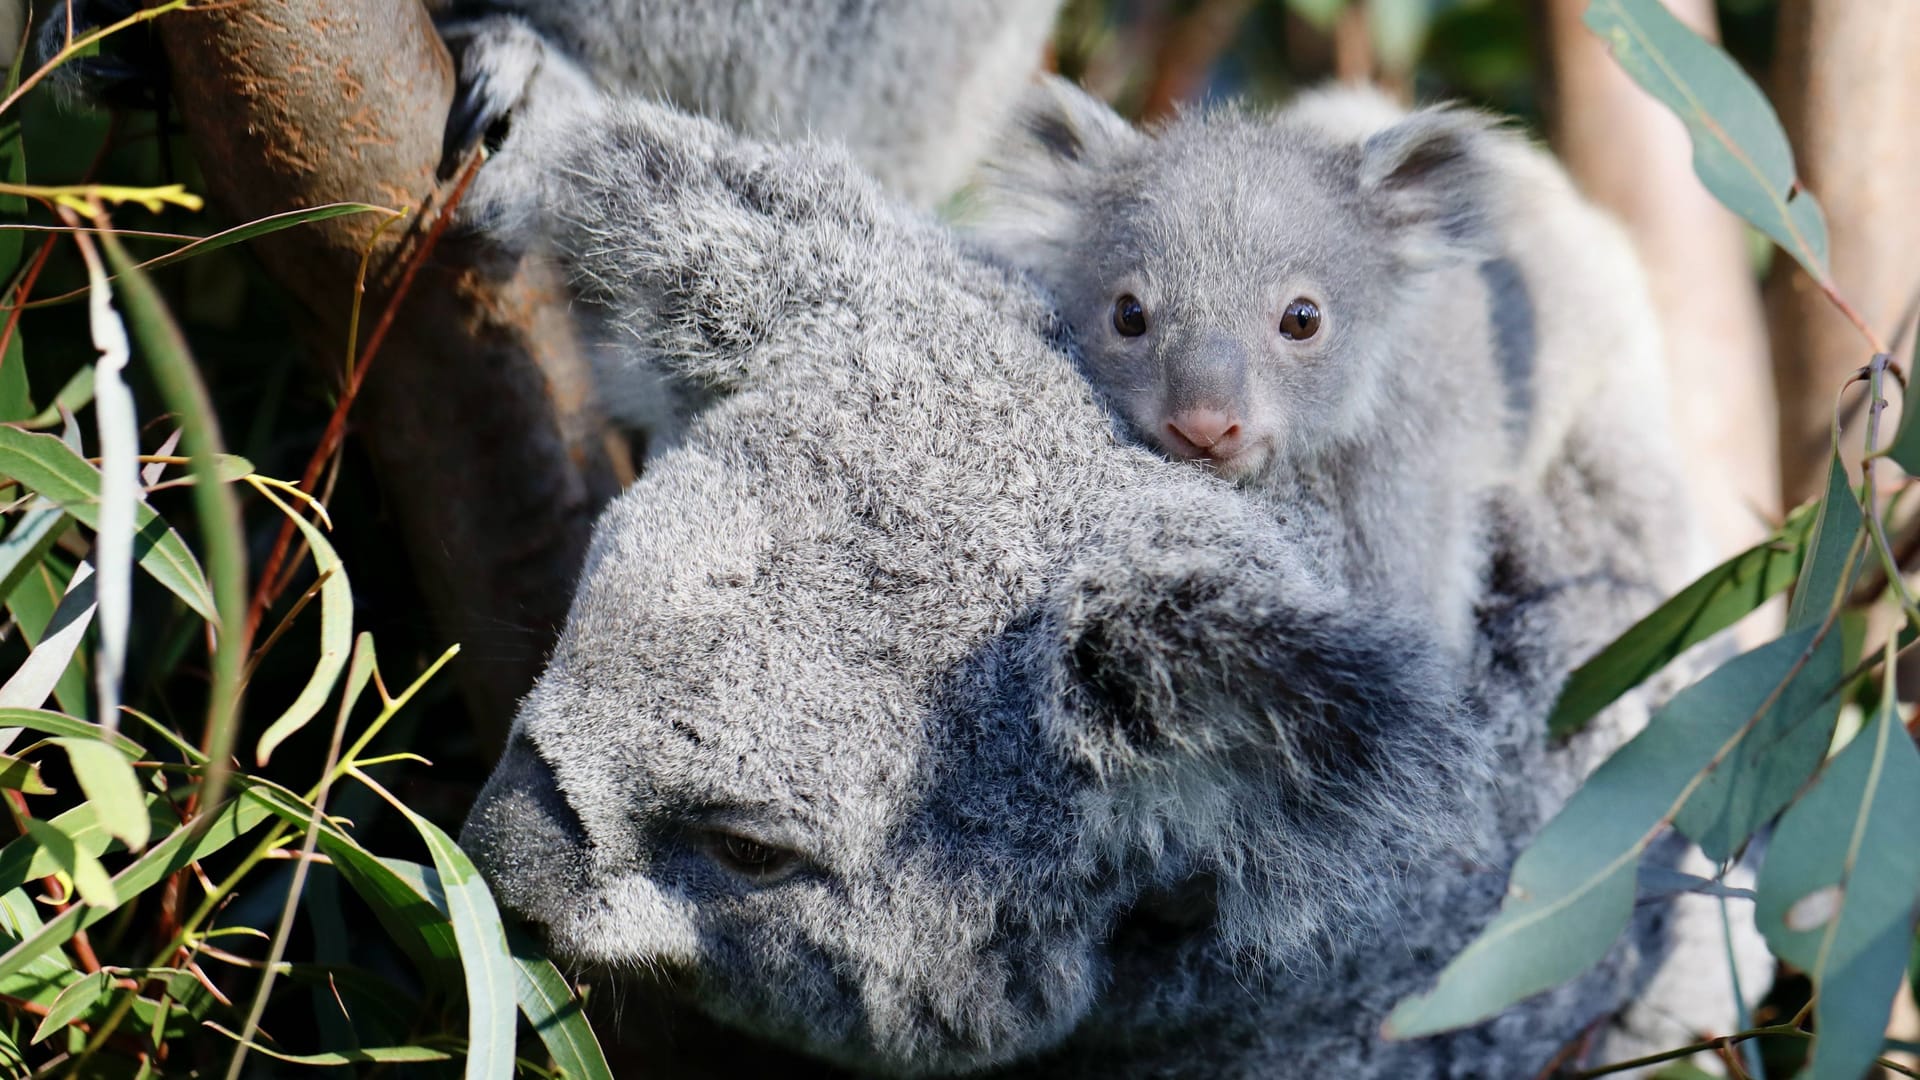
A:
{"x":1434,"y":178}
{"x":1057,"y":135}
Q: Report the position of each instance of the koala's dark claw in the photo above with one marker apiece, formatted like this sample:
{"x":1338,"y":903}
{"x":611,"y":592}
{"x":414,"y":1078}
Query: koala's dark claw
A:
{"x":468,"y":122}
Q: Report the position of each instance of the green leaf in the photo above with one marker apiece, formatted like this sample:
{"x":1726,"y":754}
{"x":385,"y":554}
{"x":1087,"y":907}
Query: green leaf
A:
{"x":22,"y":776}
{"x":74,"y":1002}
{"x":1572,"y":890}
{"x":1398,"y":29}
{"x":372,"y":1055}
{"x":1837,"y":890}
{"x":549,"y":1004}
{"x":27,"y":544}
{"x":53,"y":723}
{"x":53,"y":658}
{"x":34,"y":605}
{"x":23,"y":860}
{"x":336,"y":636}
{"x":491,"y":982}
{"x":189,"y":843}
{"x":111,"y":787}
{"x":1721,"y":597}
{"x":239,"y":234}
{"x":1829,"y":571}
{"x":417,"y":923}
{"x":77,"y":394}
{"x":44,"y":464}
{"x":90,"y":879}
{"x":1740,"y":150}
{"x":1763,"y":772}
{"x":1905,"y":448}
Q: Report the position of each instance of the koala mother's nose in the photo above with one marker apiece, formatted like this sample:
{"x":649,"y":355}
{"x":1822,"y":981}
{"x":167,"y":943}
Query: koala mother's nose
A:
{"x":1204,"y":433}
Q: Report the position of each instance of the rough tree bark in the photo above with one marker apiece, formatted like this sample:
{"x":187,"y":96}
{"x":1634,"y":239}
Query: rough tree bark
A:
{"x":1848,"y":91}
{"x":1632,"y":156}
{"x":477,"y":411}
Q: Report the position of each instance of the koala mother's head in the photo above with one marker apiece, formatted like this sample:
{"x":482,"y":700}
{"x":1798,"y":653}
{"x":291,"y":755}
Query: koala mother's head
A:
{"x":898,"y":686}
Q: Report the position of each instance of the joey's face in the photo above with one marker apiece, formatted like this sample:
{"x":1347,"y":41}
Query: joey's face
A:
{"x":1230,"y":293}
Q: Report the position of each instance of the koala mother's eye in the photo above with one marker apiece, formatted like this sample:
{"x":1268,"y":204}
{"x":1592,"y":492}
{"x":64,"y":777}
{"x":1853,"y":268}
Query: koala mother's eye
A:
{"x":1129,"y":318}
{"x":751,"y":858}
{"x":1301,"y":320}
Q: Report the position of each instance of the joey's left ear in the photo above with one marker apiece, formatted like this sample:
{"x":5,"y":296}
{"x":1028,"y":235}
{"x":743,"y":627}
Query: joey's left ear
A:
{"x":1029,"y":185}
{"x":1433,"y":180}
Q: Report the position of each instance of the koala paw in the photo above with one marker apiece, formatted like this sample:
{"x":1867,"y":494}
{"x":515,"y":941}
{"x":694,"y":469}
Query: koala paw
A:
{"x":130,"y":71}
{"x":516,"y":95}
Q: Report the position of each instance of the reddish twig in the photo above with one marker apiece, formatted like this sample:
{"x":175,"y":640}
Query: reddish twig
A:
{"x":268,"y":589}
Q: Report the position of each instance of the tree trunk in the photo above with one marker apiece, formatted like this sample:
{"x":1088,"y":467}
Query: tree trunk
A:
{"x":1848,"y":90}
{"x":478,"y":410}
{"x":1631,"y":156}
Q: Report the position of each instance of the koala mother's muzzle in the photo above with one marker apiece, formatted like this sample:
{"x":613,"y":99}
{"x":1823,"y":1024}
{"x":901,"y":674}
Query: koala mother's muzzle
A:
{"x":525,"y":837}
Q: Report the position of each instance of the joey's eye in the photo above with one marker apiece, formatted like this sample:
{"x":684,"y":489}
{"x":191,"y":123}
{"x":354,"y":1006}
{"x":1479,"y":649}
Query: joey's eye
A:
{"x":1129,"y":318}
{"x":751,"y":858}
{"x":1301,"y":320}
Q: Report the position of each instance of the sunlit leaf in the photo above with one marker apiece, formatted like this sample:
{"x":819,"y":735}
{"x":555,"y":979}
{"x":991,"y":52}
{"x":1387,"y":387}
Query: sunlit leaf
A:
{"x":550,"y":1005}
{"x":184,"y":845}
{"x":27,"y":543}
{"x":53,"y":723}
{"x":112,"y":788}
{"x":336,"y":635}
{"x":119,"y":479}
{"x":46,"y":465}
{"x":372,"y":1055}
{"x":22,"y":860}
{"x":1838,"y":886}
{"x":74,"y":1002}
{"x":1721,"y":597}
{"x":22,"y":776}
{"x":1740,"y":151}
{"x":50,"y":660}
{"x":33,"y":606}
{"x":90,"y":879}
{"x":1572,"y":891}
{"x":490,"y":971}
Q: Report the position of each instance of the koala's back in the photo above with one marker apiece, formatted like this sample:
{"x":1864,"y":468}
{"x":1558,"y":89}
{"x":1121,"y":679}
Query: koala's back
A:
{"x":913,"y":88}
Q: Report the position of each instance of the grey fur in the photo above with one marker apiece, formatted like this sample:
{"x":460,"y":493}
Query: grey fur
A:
{"x":1454,"y":267}
{"x":915,"y":89}
{"x":1089,"y":763}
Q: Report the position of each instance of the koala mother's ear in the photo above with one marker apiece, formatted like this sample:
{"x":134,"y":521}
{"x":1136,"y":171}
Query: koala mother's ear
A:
{"x":1433,"y":180}
{"x":1206,"y":646}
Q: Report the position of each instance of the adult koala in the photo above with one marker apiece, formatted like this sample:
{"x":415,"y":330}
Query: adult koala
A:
{"x":910,"y":719}
{"x":914,"y":89}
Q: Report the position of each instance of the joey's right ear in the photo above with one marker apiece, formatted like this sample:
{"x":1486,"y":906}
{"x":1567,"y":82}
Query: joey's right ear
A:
{"x":1055,"y":136}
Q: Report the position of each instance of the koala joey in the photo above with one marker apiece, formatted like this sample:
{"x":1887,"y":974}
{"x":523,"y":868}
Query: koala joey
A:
{"x":914,"y":89}
{"x":1385,"y":313}
{"x":907,"y":719}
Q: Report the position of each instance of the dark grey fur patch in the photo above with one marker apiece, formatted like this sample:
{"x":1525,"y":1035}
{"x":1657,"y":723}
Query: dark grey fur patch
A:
{"x":1516,"y":339}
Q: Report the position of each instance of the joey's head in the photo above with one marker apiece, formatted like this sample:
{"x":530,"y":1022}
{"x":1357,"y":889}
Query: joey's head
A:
{"x":1238,"y":282}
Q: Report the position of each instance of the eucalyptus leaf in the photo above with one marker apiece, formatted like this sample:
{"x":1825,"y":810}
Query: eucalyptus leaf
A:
{"x":74,"y":1002}
{"x":1719,"y":598}
{"x":112,"y":788}
{"x":1838,"y":886}
{"x":336,"y":636}
{"x":1740,"y":151}
{"x":1572,"y":891}
{"x":45,"y":464}
{"x":90,"y":879}
{"x":22,"y":776}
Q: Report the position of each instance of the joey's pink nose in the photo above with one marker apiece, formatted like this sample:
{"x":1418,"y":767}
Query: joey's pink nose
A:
{"x":1208,"y":433}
